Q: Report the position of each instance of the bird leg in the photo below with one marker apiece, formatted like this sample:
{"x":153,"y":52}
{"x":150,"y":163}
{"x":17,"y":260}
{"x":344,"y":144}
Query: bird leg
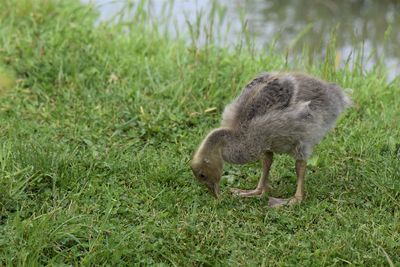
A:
{"x":299,"y":195}
{"x":263,"y":184}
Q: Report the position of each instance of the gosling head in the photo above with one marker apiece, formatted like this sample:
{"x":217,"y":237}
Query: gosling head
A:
{"x":208,"y":171}
{"x":207,"y":163}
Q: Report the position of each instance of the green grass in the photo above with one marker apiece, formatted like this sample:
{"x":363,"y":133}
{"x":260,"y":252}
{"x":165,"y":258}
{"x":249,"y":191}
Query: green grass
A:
{"x":97,"y":128}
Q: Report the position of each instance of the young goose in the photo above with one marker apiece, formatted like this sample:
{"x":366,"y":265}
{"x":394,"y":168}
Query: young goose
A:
{"x":275,"y":113}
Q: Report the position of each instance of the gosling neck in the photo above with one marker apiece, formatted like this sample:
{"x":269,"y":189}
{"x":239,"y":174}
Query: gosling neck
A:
{"x":212,"y":145}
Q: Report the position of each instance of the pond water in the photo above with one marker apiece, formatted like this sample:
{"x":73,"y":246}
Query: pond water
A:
{"x":290,"y":24}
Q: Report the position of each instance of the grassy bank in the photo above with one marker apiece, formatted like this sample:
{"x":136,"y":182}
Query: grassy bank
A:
{"x":98,"y":125}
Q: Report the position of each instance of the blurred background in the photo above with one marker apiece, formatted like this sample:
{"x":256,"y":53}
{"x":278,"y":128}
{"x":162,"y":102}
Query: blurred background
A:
{"x":365,"y":30}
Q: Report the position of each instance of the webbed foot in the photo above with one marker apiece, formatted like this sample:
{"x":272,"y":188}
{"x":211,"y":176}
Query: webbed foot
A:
{"x":279,"y":202}
{"x":258,"y":192}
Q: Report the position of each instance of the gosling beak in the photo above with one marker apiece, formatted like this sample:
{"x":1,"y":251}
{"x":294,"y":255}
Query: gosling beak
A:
{"x":214,"y":189}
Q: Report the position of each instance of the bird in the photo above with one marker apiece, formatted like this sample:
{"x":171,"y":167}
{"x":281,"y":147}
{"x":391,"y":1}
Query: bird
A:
{"x":276,"y":113}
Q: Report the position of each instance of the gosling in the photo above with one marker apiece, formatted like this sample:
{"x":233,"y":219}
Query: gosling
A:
{"x":283,"y":113}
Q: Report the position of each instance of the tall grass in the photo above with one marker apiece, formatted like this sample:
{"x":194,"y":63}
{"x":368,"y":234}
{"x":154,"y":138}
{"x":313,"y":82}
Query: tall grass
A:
{"x":98,"y":124}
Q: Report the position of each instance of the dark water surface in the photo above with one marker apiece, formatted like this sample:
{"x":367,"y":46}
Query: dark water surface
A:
{"x":373,"y":26}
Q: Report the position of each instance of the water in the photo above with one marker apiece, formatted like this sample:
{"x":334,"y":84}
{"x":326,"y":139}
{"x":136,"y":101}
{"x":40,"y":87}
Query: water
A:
{"x":291,"y":25}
